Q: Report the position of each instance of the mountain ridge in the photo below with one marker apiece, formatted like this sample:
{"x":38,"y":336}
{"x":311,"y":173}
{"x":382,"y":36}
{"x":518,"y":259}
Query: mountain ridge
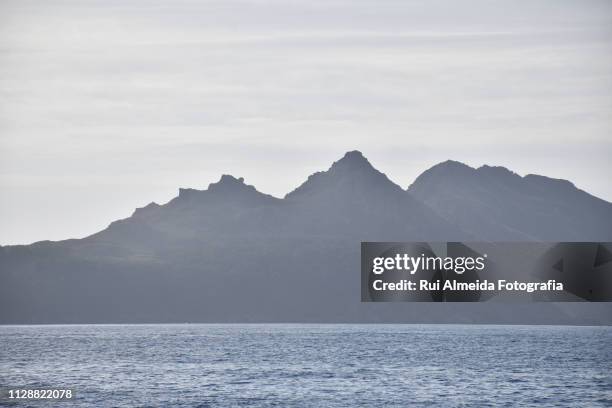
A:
{"x":351,"y":162}
{"x":530,"y":207}
{"x":233,"y":254}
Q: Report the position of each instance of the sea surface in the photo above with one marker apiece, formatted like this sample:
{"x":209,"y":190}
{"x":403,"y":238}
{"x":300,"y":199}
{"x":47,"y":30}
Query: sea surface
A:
{"x":311,"y":365}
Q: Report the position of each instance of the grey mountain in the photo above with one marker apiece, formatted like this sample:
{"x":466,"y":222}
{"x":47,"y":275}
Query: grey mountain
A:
{"x":496,"y":204}
{"x":232,"y":254}
{"x":354,"y":199}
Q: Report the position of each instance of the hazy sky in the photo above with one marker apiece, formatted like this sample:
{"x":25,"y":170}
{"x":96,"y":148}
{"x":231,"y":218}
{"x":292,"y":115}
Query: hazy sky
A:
{"x":108,"y":105}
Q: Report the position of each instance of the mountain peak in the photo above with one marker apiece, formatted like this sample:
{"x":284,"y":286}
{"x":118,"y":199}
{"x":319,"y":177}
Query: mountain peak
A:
{"x":354,"y":155}
{"x":449,"y":169}
{"x":497,"y":171}
{"x":229,"y":183}
{"x":452,"y":172}
{"x":229,"y":190}
{"x":454,"y":169}
{"x":228,"y":179}
{"x":353,"y":172}
{"x":353,"y":160}
{"x":452,"y":165}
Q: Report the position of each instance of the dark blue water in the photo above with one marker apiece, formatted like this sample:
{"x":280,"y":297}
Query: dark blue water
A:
{"x":312,"y":365}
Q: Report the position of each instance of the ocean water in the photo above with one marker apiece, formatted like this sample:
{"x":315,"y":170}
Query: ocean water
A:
{"x":311,"y":365}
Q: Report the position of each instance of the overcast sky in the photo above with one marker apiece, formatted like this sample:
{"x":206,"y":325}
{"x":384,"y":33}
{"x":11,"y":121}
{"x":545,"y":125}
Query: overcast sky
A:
{"x":108,"y":105}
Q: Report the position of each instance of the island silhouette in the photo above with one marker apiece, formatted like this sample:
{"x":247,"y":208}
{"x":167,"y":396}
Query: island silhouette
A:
{"x":230,"y":253}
